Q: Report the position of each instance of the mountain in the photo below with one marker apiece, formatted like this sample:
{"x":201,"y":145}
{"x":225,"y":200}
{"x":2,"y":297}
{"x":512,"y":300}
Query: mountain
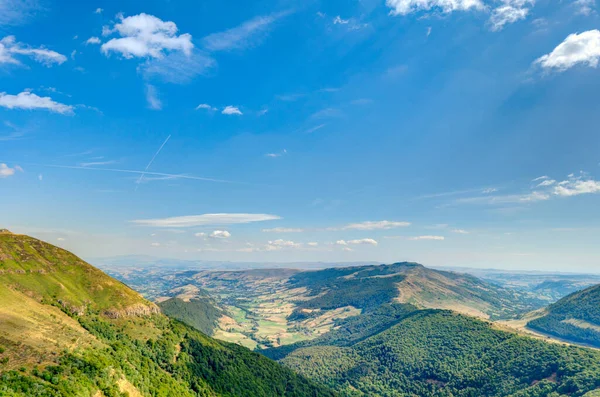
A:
{"x":369,"y":286}
{"x":430,"y":353}
{"x":264,"y":308}
{"x":67,"y":329}
{"x":574,"y":318}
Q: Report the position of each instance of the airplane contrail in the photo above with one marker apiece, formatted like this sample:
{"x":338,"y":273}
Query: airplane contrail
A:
{"x":151,"y":161}
{"x":181,"y":176}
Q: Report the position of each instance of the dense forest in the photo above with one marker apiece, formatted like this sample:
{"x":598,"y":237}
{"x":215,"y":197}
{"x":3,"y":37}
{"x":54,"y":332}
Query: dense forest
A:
{"x":575,"y":318}
{"x":200,"y":313}
{"x":440,"y":353}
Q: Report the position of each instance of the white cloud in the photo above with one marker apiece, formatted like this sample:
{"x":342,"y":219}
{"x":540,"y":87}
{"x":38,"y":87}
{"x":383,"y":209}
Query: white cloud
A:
{"x":373,"y":225}
{"x":155,"y":244}
{"x":509,"y":12}
{"x":489,"y":190}
{"x":339,"y":21}
{"x":30,"y":101}
{"x":232,"y":110}
{"x":577,"y":48}
{"x":154,"y":102}
{"x":220,"y":234}
{"x":434,"y":238}
{"x":93,"y":40}
{"x":60,"y":239}
{"x":206,"y":219}
{"x":200,"y":234}
{"x":404,"y":7}
{"x":540,"y":178}
{"x":312,"y":244}
{"x":281,"y":244}
{"x":144,"y":36}
{"x":248,"y":34}
{"x":98,"y":11}
{"x":575,"y":186}
{"x":364,"y":241}
{"x":460,"y":231}
{"x":547,"y":182}
{"x":6,"y":171}
{"x":283,"y":230}
{"x":274,"y":155}
{"x":10,"y":49}
{"x":205,"y":107}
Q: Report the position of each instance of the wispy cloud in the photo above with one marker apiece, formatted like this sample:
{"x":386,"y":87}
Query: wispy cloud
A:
{"x":93,"y":40}
{"x":30,"y":101}
{"x":247,"y":35}
{"x":205,"y":106}
{"x":372,"y":225}
{"x":206,"y":220}
{"x":510,"y":11}
{"x":430,"y":238}
{"x":10,"y":50}
{"x":232,"y":110}
{"x":154,"y":102}
{"x":17,"y":12}
{"x":275,"y":155}
{"x":363,"y":241}
{"x":327,"y":113}
{"x":178,"y":67}
{"x":283,"y":230}
{"x":460,"y":231}
{"x":97,"y":163}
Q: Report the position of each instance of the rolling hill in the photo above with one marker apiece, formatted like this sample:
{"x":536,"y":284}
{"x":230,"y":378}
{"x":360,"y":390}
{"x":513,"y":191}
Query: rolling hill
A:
{"x":264,"y":308}
{"x":67,"y":329}
{"x":574,"y":318}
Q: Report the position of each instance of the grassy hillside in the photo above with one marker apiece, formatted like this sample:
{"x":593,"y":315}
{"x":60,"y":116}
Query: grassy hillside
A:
{"x":440,"y":353}
{"x":367,"y":287}
{"x":67,"y":329}
{"x":575,"y":318}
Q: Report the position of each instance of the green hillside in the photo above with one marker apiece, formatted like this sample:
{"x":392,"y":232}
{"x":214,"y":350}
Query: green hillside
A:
{"x":575,"y":318}
{"x":67,"y":329}
{"x":367,"y":287}
{"x":200,"y":313}
{"x":440,"y":353}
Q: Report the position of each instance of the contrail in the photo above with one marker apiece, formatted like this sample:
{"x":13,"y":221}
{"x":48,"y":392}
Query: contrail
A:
{"x":151,"y":161}
{"x":181,"y":176}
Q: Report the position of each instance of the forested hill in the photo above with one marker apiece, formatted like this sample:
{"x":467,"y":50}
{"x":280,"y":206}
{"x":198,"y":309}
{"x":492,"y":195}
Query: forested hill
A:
{"x":427,"y":353}
{"x":67,"y":329}
{"x":575,"y":318}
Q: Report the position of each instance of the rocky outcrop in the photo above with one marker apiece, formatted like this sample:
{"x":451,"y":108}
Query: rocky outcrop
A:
{"x":137,"y":310}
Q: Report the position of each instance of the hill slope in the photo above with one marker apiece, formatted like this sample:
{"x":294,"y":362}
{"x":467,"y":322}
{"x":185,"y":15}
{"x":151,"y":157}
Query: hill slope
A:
{"x":67,"y":329}
{"x":441,"y":353}
{"x":575,"y":318}
{"x":369,"y":286}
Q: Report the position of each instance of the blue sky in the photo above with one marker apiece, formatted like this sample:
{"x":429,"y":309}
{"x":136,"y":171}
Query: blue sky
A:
{"x":448,"y":132}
